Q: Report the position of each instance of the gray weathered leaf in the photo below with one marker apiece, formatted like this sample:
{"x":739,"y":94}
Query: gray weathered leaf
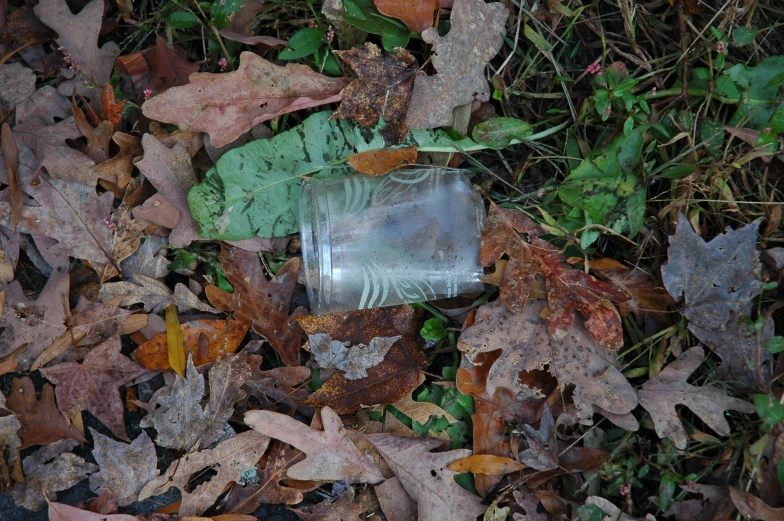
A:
{"x":227,"y":376}
{"x":660,"y":395}
{"x":714,"y":278}
{"x":542,"y":451}
{"x":333,"y":354}
{"x":154,"y":294}
{"x":17,"y":83}
{"x":125,"y":468}
{"x":149,"y":260}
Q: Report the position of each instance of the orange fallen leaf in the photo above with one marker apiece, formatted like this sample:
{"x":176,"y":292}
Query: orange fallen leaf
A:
{"x":175,"y":341}
{"x":487,"y":464}
{"x":380,"y":162}
{"x":112,"y":110}
{"x":219,"y":336}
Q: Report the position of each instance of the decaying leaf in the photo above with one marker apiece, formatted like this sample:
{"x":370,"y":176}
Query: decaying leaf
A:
{"x":206,"y":340}
{"x":331,"y":455}
{"x":124,"y":469}
{"x":268,"y":489}
{"x":42,"y":422}
{"x":342,"y":509}
{"x":487,"y":464}
{"x":392,"y":379}
{"x":78,"y":35}
{"x":227,"y":105}
{"x":233,"y":458}
{"x":154,"y":294}
{"x":170,"y":66}
{"x":382,"y":89}
{"x":647,"y":298}
{"x":460,"y":58}
{"x":660,"y":395}
{"x":714,"y":278}
{"x":417,"y":16}
{"x":263,"y":303}
{"x":527,"y":346}
{"x":49,"y":470}
{"x":227,"y":377}
{"x":568,"y":289}
{"x":542,"y":451}
{"x":354,"y":361}
{"x":281,"y":385}
{"x":380,"y":162}
{"x":119,"y":168}
{"x":17,"y":83}
{"x":93,"y":384}
{"x":427,"y":479}
{"x":530,"y":503}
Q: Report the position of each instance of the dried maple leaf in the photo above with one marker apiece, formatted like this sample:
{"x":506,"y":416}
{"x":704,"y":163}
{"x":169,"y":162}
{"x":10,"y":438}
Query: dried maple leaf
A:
{"x":382,"y":89}
{"x":47,"y":471}
{"x":417,"y":16}
{"x":383,"y":161}
{"x":228,"y":105}
{"x":78,"y":36}
{"x":460,"y":58}
{"x":42,"y":422}
{"x":389,"y":381}
{"x":207,"y":340}
{"x":233,"y":457}
{"x":331,"y":455}
{"x":342,"y":509}
{"x":355,"y":361}
{"x":568,"y":289}
{"x":714,"y":278}
{"x":118,"y":169}
{"x":660,"y":395}
{"x":268,"y":489}
{"x":427,"y":479}
{"x":264,"y":303}
{"x":154,"y":294}
{"x":575,"y":359}
{"x":124,"y":469}
{"x":93,"y":384}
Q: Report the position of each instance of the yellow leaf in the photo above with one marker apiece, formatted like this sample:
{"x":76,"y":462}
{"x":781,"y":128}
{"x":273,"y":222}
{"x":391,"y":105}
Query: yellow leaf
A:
{"x":174,"y":341}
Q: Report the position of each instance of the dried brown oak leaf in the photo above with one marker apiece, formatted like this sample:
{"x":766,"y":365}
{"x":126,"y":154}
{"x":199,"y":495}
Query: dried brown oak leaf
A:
{"x":94,"y":384}
{"x":460,"y":58}
{"x":268,"y":488}
{"x":228,"y":105}
{"x":153,"y":294}
{"x":417,"y":15}
{"x":47,"y":471}
{"x":714,"y":278}
{"x":526,"y":346}
{"x":427,"y":479}
{"x":395,"y":502}
{"x":233,"y":458}
{"x":78,"y":35}
{"x":264,"y":303}
{"x":382,"y":89}
{"x":568,"y":289}
{"x":33,"y":325}
{"x":342,"y":509}
{"x":42,"y":422}
{"x":389,"y":381}
{"x":124,"y":468}
{"x":660,"y":395}
{"x":119,"y":168}
{"x":331,"y":455}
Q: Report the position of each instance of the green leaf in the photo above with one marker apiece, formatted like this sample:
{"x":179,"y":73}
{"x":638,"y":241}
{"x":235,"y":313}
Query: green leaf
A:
{"x":743,"y":36}
{"x":666,"y":490}
{"x":434,"y":329}
{"x":536,"y":38}
{"x":222,"y":10}
{"x":712,"y":132}
{"x":769,"y":409}
{"x":780,"y":473}
{"x":304,"y":43}
{"x":774,"y":344}
{"x":726,"y":87}
{"x":363,"y":15}
{"x":499,"y":132}
{"x":590,"y":513}
{"x":761,"y":91}
{"x":183,"y":20}
{"x":628,"y":126}
{"x":778,"y":79}
{"x":253,"y":190}
{"x":607,"y":186}
{"x":678,"y":171}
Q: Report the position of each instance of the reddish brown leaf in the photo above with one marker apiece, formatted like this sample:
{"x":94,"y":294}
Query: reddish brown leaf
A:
{"x":93,"y":385}
{"x":753,"y":507}
{"x":222,"y":337}
{"x":417,"y":15}
{"x":486,"y":464}
{"x":395,"y":377}
{"x":568,"y":289}
{"x":170,"y":67}
{"x":382,"y":89}
{"x":42,"y":422}
{"x":10,"y":152}
{"x":135,"y":66}
{"x":227,"y":105}
{"x":380,"y":162}
{"x":24,"y":28}
{"x":240,"y":28}
{"x":112,"y":110}
{"x":98,"y":138}
{"x":647,"y":298}
{"x":264,"y":303}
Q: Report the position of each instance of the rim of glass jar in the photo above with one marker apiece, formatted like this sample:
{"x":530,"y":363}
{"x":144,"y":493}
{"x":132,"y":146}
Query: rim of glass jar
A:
{"x":314,"y":237}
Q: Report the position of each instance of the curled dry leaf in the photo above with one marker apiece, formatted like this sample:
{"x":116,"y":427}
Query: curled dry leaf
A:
{"x":382,"y":89}
{"x":389,"y":381}
{"x":228,"y":105}
{"x":124,"y":469}
{"x":331,"y":455}
{"x":380,"y":162}
{"x":427,"y":479}
{"x":354,"y":361}
{"x":93,"y":384}
{"x":206,"y":340}
{"x":233,"y":458}
{"x":264,"y":303}
{"x":460,"y":58}
{"x":660,"y":395}
{"x":568,"y":289}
